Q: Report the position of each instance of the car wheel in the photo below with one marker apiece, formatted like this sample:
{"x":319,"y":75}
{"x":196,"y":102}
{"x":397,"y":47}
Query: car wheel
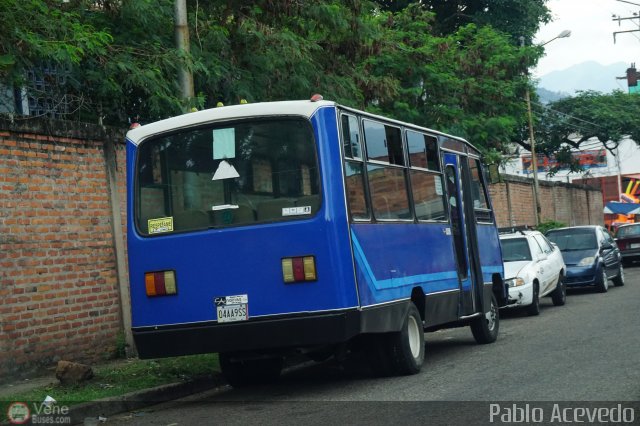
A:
{"x":239,"y":372}
{"x":534,"y":308}
{"x":485,"y":328}
{"x":603,"y":282}
{"x":618,"y":281}
{"x":559,"y":295}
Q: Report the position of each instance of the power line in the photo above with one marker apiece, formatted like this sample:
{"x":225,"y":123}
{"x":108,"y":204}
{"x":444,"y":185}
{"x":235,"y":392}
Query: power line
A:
{"x":567,"y":115}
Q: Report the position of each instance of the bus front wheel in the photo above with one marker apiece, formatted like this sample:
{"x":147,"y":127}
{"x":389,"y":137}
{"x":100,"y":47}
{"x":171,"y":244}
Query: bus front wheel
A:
{"x":239,"y":371}
{"x":485,"y":327}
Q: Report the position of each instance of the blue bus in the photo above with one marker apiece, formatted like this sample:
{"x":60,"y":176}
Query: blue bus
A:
{"x":263,"y":230}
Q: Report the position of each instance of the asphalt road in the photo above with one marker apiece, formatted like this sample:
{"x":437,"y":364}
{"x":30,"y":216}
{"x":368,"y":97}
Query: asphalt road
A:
{"x":583,"y":354}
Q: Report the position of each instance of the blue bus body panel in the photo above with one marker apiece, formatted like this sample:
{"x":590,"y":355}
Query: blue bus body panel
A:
{"x":392,"y":259}
{"x":490,"y":252}
{"x":247,"y":259}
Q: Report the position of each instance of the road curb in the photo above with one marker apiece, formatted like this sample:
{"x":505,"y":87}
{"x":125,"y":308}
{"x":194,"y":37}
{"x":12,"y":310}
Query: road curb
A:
{"x":139,"y":399}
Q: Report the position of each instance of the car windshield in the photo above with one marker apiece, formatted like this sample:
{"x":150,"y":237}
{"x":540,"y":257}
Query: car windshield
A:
{"x":515,"y":249}
{"x":628,"y":231}
{"x":574,"y":239}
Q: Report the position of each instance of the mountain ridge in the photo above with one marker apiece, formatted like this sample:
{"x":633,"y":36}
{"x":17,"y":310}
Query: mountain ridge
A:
{"x":589,"y":75}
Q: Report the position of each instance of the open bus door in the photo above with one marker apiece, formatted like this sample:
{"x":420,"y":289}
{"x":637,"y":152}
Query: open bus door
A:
{"x":464,"y":235}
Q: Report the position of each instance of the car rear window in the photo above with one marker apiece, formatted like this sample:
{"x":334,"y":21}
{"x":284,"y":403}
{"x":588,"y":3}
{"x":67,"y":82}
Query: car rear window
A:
{"x":628,"y":231}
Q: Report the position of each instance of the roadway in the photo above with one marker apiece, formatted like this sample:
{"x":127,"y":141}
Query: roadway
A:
{"x":583,"y":354}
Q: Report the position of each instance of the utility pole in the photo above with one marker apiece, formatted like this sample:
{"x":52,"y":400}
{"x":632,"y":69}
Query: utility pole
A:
{"x":185,"y":78}
{"x":534,"y":160}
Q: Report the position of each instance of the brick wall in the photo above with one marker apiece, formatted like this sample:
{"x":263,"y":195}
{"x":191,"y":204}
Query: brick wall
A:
{"x":58,"y":280}
{"x":513,"y":202}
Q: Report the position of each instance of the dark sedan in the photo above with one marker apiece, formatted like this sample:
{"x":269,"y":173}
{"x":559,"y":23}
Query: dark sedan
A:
{"x":628,"y":241}
{"x":591,"y":255}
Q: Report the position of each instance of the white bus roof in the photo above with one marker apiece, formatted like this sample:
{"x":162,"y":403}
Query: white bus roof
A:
{"x":263,"y":109}
{"x":304,"y":108}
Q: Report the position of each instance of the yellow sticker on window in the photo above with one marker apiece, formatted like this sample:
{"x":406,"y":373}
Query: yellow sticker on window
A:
{"x":163,"y":224}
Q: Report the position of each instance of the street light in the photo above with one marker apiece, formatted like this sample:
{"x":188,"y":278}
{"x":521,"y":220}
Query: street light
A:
{"x":534,"y":159}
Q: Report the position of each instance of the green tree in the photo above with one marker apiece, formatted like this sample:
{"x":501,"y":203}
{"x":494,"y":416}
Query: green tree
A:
{"x":586,"y":121}
{"x":514,"y":17}
{"x":469,"y":83}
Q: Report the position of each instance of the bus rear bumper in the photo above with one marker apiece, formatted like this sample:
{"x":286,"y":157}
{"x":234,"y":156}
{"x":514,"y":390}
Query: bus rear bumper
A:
{"x":256,"y":334}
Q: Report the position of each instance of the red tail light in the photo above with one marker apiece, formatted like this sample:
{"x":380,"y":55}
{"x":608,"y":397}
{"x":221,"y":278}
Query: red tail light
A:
{"x":161,"y":283}
{"x":299,"y":269}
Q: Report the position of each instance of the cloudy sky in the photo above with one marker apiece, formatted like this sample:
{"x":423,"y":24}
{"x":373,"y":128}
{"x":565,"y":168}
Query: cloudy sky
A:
{"x":592,"y":27}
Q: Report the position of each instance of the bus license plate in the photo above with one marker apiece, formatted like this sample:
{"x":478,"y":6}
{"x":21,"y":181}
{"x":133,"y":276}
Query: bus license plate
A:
{"x":231,"y":313}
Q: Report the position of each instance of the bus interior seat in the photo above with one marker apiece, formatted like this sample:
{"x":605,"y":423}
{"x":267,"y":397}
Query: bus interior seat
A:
{"x":272,"y":209}
{"x":309,"y":200}
{"x":190,"y":219}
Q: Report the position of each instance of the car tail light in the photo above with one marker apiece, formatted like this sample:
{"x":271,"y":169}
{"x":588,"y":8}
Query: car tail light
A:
{"x":299,"y":269}
{"x":622,"y":245}
{"x":162,"y":283}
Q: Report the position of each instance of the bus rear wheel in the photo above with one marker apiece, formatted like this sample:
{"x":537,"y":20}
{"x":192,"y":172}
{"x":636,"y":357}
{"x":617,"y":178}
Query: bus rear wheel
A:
{"x":485,"y":327}
{"x":241,"y":372}
{"x":401,"y":352}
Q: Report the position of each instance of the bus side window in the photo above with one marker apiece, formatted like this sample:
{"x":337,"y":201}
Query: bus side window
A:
{"x":478,"y":194}
{"x":354,"y":169}
{"x":387,"y":181}
{"x":426,"y":186}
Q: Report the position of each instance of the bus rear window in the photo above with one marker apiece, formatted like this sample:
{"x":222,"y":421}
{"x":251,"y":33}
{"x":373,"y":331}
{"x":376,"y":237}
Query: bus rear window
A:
{"x":227,"y":175}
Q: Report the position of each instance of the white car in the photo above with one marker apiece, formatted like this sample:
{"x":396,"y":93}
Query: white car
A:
{"x":533,"y":268}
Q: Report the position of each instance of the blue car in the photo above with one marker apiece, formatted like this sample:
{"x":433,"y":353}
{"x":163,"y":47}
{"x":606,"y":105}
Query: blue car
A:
{"x":591,"y":256}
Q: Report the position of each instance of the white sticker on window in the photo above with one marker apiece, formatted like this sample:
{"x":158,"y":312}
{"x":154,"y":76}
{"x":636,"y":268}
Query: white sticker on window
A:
{"x":225,"y":171}
{"x":296,"y":211}
{"x":438,"y":184}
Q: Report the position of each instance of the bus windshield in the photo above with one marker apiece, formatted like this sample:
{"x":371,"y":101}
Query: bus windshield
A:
{"x":227,"y":174}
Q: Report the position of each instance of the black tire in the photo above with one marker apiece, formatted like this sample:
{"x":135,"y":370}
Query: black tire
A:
{"x":401,"y":352}
{"x":485,"y":328}
{"x":559,"y":295}
{"x":534,"y":308}
{"x":243,"y":372}
{"x":602,"y":284}
{"x":618,"y":281}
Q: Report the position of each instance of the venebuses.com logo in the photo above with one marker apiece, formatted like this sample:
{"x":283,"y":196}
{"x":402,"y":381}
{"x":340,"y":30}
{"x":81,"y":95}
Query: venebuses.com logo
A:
{"x":18,"y":413}
{"x":46,"y":412}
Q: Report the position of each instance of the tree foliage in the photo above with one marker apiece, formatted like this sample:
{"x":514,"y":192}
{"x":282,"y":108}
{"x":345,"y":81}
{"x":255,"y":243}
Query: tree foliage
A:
{"x":589,"y":120}
{"x":516,"y":18}
{"x":453,"y":65}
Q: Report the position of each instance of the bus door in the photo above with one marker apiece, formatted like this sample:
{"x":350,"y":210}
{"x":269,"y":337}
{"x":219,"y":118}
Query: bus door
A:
{"x":463,"y":233}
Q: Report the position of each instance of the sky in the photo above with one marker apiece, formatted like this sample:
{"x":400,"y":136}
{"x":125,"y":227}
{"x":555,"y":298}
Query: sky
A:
{"x":592,"y":28}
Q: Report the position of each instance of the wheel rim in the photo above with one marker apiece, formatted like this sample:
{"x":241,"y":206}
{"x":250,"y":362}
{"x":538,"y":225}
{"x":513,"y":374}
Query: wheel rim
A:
{"x":621,"y":274}
{"x":414,"y":337}
{"x":605,"y":281}
{"x":491,"y":317}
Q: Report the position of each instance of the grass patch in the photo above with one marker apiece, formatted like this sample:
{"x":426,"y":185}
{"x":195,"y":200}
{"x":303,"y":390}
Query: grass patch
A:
{"x":120,"y":378}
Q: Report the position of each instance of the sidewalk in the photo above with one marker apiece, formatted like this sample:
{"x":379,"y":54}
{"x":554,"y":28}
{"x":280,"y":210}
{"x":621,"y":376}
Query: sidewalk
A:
{"x":89,"y":412}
